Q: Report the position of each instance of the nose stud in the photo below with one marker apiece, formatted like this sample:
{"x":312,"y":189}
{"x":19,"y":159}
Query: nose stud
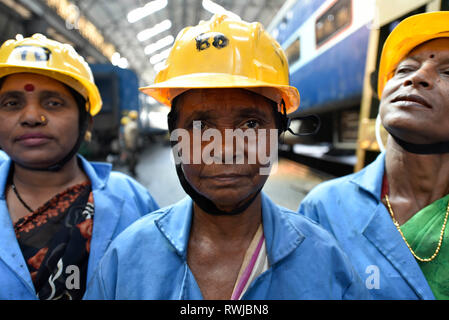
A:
{"x":43,"y":119}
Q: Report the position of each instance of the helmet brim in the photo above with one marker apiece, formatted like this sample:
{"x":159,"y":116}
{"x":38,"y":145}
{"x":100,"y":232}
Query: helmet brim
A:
{"x":166,"y":91}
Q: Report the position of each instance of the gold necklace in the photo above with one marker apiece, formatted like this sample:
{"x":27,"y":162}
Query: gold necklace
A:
{"x":396,"y":223}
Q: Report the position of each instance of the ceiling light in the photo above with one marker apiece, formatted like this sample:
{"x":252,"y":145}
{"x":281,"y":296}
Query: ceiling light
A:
{"x":214,"y":8}
{"x":160,"y":56}
{"x":151,"y":32}
{"x":115,"y":58}
{"x":151,"y":100}
{"x":123,"y":63}
{"x":162,"y":43}
{"x":146,"y":10}
{"x":159,"y":66}
{"x":119,"y":61}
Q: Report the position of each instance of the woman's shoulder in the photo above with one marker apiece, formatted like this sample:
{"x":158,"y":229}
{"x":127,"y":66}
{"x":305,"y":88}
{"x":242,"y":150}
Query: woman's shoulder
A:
{"x":307,"y":227}
{"x":102,"y":173}
{"x":142,"y":234}
{"x":303,"y":225}
{"x":3,"y":155}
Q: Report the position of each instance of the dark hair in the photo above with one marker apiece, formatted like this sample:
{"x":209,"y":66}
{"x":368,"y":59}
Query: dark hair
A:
{"x":280,"y":119}
{"x":81,"y":103}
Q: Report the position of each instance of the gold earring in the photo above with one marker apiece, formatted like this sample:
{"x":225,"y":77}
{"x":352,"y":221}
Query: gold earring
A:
{"x":88,"y":136}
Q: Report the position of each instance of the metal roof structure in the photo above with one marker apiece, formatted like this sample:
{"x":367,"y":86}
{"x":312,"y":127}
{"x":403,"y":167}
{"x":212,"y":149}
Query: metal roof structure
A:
{"x":111,"y":17}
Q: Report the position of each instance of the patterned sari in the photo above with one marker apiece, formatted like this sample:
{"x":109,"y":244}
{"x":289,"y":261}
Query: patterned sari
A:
{"x":422,"y":232}
{"x":55,"y":242}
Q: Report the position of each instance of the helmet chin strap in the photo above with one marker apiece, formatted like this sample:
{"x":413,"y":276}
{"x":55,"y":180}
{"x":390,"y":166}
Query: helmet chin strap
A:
{"x":431,"y":148}
{"x":207,"y":205}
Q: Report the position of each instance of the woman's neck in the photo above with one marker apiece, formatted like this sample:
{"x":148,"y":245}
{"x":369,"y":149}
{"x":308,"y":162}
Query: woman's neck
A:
{"x":35,"y":188}
{"x":228,"y":228}
{"x":414,"y":180}
{"x":34,"y":180}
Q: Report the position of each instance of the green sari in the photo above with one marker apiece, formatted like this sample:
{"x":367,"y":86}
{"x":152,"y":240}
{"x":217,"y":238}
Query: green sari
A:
{"x":422,"y":232}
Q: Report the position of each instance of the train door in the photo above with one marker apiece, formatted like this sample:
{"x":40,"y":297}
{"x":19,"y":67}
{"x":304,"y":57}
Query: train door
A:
{"x":388,"y":15}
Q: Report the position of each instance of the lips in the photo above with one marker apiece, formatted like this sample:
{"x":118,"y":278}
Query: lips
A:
{"x":225,"y":179}
{"x":34,"y":135}
{"x":226,"y":176}
{"x":33,"y":139}
{"x":412,"y":99}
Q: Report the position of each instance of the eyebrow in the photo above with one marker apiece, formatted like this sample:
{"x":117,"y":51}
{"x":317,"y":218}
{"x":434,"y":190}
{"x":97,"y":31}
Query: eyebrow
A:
{"x":445,"y":61}
{"x":200,"y":115}
{"x":12,"y":93}
{"x":252,"y":112}
{"x":244,"y":112}
{"x":413,"y":58}
{"x":50,"y":93}
{"x":43,"y":92}
{"x":408,"y":58}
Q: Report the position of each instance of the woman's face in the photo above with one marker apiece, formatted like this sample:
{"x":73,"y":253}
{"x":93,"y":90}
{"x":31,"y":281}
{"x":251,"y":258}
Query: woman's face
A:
{"x":225,"y":182}
{"x":415,"y":102}
{"x":39,"y":117}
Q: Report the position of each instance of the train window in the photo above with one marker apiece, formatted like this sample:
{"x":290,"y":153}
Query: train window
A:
{"x":293,"y":52}
{"x":337,"y":17}
{"x":445,"y":5}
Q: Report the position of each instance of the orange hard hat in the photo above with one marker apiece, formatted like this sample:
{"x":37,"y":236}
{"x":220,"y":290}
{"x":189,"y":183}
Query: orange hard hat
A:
{"x":407,"y":35}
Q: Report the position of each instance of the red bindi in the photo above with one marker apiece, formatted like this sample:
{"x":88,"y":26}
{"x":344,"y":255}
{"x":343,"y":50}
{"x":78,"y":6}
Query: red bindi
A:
{"x":29,"y":87}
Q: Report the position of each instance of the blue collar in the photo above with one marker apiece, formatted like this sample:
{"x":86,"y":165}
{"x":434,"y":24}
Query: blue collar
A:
{"x":97,"y":172}
{"x":176,"y":222}
{"x":379,"y":229}
{"x":370,"y":178}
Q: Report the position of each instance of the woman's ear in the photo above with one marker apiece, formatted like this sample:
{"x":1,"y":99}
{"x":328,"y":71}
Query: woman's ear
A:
{"x":88,"y":134}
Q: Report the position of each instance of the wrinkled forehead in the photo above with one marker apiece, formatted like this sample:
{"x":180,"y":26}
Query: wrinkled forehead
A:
{"x":25,"y":81}
{"x":217,"y":98}
{"x":224,"y":105}
{"x":221,"y":107}
{"x":438,"y":46}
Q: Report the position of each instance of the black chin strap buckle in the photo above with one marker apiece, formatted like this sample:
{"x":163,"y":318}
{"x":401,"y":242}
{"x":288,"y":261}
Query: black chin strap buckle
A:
{"x":207,"y":205}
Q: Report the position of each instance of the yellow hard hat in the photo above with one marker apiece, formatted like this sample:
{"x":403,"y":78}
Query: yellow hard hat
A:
{"x":407,"y":35}
{"x":133,"y":114}
{"x":225,"y":53}
{"x":53,"y":59}
{"x":124,"y":120}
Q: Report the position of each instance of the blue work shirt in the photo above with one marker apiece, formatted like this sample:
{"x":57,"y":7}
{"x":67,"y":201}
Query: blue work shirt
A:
{"x":3,"y":155}
{"x":149,"y":260}
{"x":351,"y":209}
{"x":118,"y":200}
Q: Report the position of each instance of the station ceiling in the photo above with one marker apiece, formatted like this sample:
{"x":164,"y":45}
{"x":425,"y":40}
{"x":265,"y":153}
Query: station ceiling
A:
{"x":114,"y":21}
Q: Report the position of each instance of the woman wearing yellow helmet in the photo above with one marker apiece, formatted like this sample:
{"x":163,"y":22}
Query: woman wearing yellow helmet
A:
{"x":391,"y":217}
{"x":59,"y":212}
{"x":227,"y":239}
